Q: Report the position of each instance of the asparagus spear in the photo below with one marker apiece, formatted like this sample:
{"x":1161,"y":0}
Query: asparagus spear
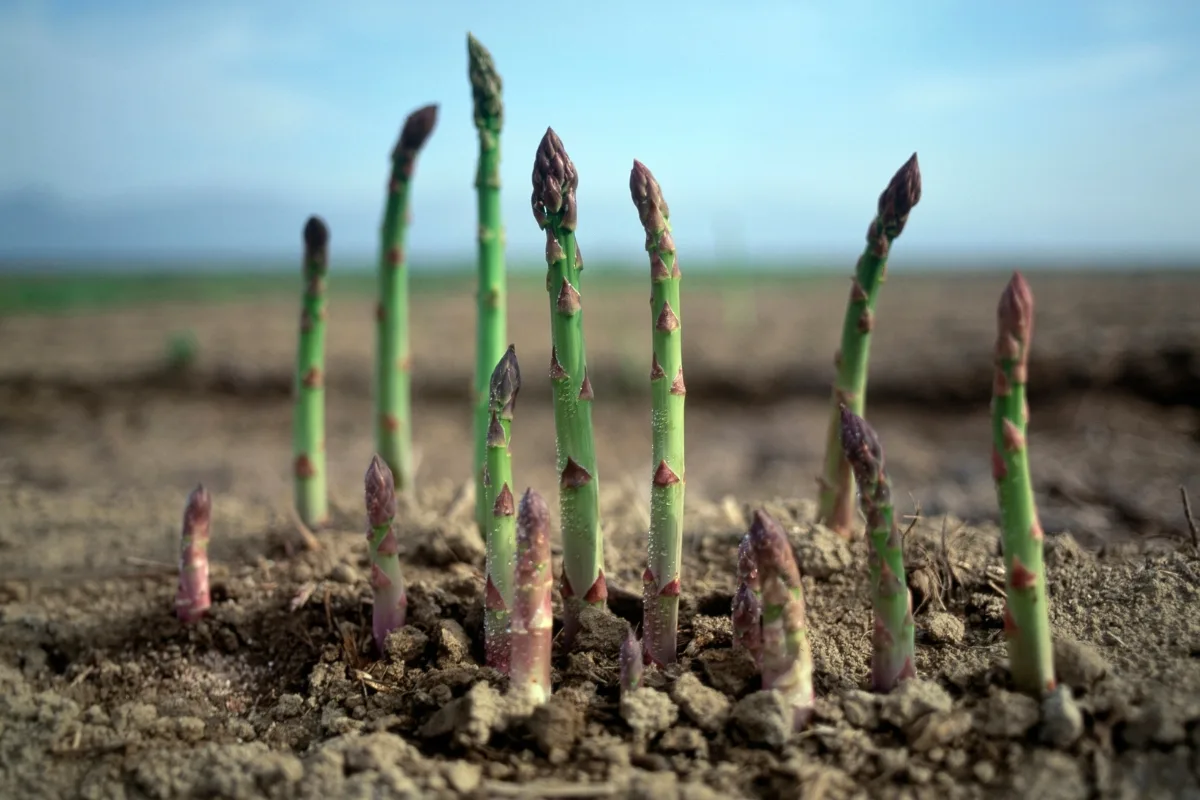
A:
{"x":632,"y":662}
{"x":308,"y":425}
{"x":532,"y":620}
{"x":661,"y":579}
{"x":786,"y":652}
{"x":893,"y":651}
{"x":850,"y":387}
{"x":391,"y":601}
{"x":393,"y":365}
{"x":501,"y":529}
{"x":554,"y":207}
{"x":1026,"y":616}
{"x":747,"y":603}
{"x":490,"y":333}
{"x":192,"y":600}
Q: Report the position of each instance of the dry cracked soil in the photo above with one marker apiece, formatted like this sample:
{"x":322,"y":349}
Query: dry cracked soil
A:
{"x":278,"y":693}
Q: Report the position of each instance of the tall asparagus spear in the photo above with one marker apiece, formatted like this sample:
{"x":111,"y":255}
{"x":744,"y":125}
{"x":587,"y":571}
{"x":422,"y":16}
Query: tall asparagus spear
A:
{"x":501,"y":529}
{"x":661,"y":581}
{"x":786,"y":652}
{"x":747,"y":602}
{"x":554,"y":207}
{"x":192,"y":600}
{"x":391,"y":601}
{"x":850,"y":386}
{"x":893,"y":651}
{"x":532,"y":619}
{"x":308,"y":424}
{"x":393,"y":365}
{"x":1026,"y":616}
{"x":491,"y":327}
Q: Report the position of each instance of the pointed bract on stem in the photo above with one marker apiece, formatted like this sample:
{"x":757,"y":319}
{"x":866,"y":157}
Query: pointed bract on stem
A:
{"x":1026,"y":614}
{"x":390,"y":600}
{"x":632,"y":662}
{"x":893,"y":656}
{"x":786,"y":652}
{"x":554,"y":207}
{"x":504,"y":385}
{"x":393,"y":351}
{"x":491,"y":295}
{"x":661,"y":580}
{"x":531,"y":620}
{"x":903,"y":192}
{"x":192,"y":600}
{"x":310,"y":478}
{"x":747,"y":603}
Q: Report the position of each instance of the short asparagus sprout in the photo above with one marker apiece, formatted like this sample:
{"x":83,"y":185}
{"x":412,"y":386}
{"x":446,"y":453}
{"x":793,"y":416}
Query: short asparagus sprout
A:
{"x":747,"y":603}
{"x":486,"y":88}
{"x":393,"y":354}
{"x":532,"y":619}
{"x":661,"y":580}
{"x":501,"y":529}
{"x":391,"y":601}
{"x":555,"y":181}
{"x":632,"y":662}
{"x":192,"y":600}
{"x":308,"y":424}
{"x":1026,"y":614}
{"x":850,"y":386}
{"x":893,"y":651}
{"x":786,"y":653}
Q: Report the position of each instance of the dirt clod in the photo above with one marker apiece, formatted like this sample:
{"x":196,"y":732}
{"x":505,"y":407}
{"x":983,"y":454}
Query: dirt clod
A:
{"x":648,"y":711}
{"x":821,"y":553}
{"x":943,"y":628}
{"x":1007,"y":715}
{"x":1078,"y":664}
{"x":765,"y":717}
{"x":707,"y":708}
{"x":1062,"y":720}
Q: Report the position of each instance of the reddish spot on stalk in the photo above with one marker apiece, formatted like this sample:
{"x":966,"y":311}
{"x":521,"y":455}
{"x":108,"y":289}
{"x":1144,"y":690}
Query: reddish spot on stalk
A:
{"x":304,"y":467}
{"x":1021,"y":578}
{"x":574,"y":476}
{"x":492,"y":599}
{"x":999,"y":470}
{"x":379,"y":580}
{"x":389,"y":546}
{"x":667,"y":321}
{"x":857,"y":293}
{"x":599,"y":591}
{"x":1010,"y":624}
{"x":503,"y":507}
{"x":658,"y":270}
{"x":672,"y":589}
{"x":585,"y":388}
{"x":557,"y":373}
{"x":908,"y":671}
{"x":677,"y":385}
{"x":395,"y":256}
{"x":1035,"y":531}
{"x":568,"y":299}
{"x":664,"y":476}
{"x":1014,"y":440}
{"x":565,"y":589}
{"x":390,"y":422}
{"x":312,"y":378}
{"x":656,"y":370}
{"x":866,"y":321}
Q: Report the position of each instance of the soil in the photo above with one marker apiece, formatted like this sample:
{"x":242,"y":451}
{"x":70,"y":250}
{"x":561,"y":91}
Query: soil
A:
{"x":279,"y":693}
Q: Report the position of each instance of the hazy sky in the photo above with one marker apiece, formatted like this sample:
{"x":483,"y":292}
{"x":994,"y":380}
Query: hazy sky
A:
{"x":1066,"y":127}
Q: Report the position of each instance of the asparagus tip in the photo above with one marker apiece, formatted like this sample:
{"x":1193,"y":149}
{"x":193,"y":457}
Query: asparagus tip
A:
{"x":486,"y":84}
{"x":380,"y":492}
{"x":632,"y":661}
{"x":506,"y":383}
{"x":647,"y":196}
{"x":316,"y":236}
{"x":533,"y":517}
{"x":772,"y":550}
{"x":1015,"y":312}
{"x":902,"y":194}
{"x":555,"y":180}
{"x":416,"y":131}
{"x":862,"y":447}
{"x":199,"y":507}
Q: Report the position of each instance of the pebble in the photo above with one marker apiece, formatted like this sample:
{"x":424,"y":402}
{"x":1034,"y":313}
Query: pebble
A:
{"x":1062,"y":721}
{"x":343,"y":573}
{"x":944,"y":628}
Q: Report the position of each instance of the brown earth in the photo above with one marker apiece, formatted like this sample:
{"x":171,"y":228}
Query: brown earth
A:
{"x":278,"y":694}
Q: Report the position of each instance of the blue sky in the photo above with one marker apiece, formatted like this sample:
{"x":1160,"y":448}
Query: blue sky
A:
{"x":1062,"y":128}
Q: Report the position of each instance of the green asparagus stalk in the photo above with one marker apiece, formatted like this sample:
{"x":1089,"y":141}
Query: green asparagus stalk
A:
{"x":501,"y":529}
{"x":1026,"y":615}
{"x":632,"y":662}
{"x":661,"y":580}
{"x":893,"y":650}
{"x":491,"y":327}
{"x":554,"y":207}
{"x":850,"y":386}
{"x":308,"y":424}
{"x":532,"y":620}
{"x":393,"y":365}
{"x":391,"y":600}
{"x":193,"y":600}
{"x":747,"y":603}
{"x":786,"y":652}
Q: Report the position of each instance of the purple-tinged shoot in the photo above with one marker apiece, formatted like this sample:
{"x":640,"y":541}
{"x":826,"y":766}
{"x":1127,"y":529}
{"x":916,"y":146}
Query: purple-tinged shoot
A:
{"x":192,"y":600}
{"x":531,"y":620}
{"x":632,"y":661}
{"x":747,"y":603}
{"x":391,"y":601}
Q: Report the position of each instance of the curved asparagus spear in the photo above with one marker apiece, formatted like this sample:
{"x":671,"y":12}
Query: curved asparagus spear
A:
{"x":661,"y":580}
{"x":192,"y":599}
{"x":893,"y":651}
{"x":491,"y":326}
{"x":554,"y":207}
{"x":786,"y":652}
{"x":393,"y":357}
{"x":391,"y":601}
{"x":850,"y":387}
{"x":501,"y":529}
{"x":747,"y":603}
{"x":632,"y":662}
{"x":308,"y":424}
{"x":1026,"y":616}
{"x":532,"y":619}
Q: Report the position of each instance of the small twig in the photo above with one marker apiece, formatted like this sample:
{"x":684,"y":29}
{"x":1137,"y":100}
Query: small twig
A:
{"x":1187,"y":515}
{"x":311,"y":543}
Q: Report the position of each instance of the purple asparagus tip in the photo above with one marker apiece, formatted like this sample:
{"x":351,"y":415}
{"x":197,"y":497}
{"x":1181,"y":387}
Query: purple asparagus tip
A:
{"x":506,"y":383}
{"x":554,"y":183}
{"x":380,"y":492}
{"x":632,"y":662}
